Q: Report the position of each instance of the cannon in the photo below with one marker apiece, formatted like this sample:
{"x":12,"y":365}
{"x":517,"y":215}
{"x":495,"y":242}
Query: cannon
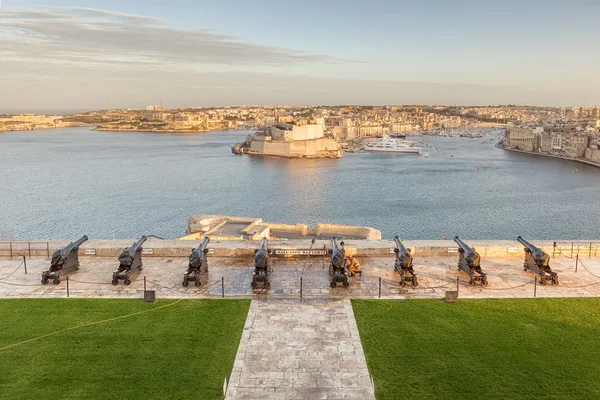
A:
{"x":260,"y":276}
{"x":337,"y":267}
{"x":198,"y":266}
{"x":469,"y":262}
{"x":130,"y":258}
{"x":538,"y":262}
{"x":404,"y":265}
{"x":63,"y":260}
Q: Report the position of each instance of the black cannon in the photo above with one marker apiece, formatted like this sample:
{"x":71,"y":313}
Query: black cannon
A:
{"x":337,"y":267}
{"x":130,"y":258}
{"x":198,"y":266}
{"x":538,"y":262}
{"x":260,"y":276}
{"x":469,"y":262}
{"x":63,"y":260}
{"x":404,"y":265}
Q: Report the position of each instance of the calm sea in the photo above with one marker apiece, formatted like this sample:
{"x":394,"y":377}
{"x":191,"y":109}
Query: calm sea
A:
{"x":60,"y":184}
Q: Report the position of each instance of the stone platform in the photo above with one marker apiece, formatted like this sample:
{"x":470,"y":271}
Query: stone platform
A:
{"x":232,"y":277}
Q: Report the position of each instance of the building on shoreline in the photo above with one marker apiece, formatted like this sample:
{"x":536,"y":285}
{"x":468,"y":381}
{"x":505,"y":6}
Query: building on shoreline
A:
{"x":300,"y":139}
{"x":578,"y":140}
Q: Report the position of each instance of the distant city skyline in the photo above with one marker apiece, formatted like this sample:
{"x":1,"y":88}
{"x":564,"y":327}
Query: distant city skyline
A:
{"x":67,"y":54}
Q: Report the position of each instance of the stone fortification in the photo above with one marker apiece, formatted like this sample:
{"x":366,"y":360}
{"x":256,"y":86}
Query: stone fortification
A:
{"x":368,"y":248}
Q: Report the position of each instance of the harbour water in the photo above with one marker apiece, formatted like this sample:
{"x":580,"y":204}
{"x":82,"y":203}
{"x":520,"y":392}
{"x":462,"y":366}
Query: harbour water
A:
{"x":60,"y":184}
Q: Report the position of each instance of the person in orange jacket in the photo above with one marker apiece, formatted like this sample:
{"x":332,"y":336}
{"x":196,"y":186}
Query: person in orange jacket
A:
{"x":353,"y":266}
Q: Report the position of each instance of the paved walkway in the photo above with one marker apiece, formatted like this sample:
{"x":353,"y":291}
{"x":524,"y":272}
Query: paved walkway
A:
{"x":299,"y":351}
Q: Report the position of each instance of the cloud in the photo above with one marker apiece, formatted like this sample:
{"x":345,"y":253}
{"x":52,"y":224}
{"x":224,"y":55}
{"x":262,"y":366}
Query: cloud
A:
{"x":87,"y":36}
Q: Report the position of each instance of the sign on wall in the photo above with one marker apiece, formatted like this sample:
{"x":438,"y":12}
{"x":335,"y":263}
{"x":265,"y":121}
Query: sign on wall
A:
{"x":299,"y":252}
{"x":148,"y":251}
{"x":452,"y":249}
{"x":89,"y":252}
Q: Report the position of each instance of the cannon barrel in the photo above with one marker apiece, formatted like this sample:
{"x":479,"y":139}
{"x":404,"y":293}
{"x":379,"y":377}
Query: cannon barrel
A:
{"x":60,"y":255}
{"x":466,"y":248}
{"x":400,"y":246}
{"x":263,"y":243}
{"x":526,"y":243}
{"x":542,"y":259}
{"x":202,"y":247}
{"x":128,"y":254}
{"x":261,"y":255}
{"x":79,"y":242}
{"x":335,"y":245}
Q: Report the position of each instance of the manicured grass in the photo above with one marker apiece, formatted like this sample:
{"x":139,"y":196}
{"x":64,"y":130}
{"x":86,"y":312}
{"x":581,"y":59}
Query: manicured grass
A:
{"x":182,"y":351}
{"x":482,"y":349}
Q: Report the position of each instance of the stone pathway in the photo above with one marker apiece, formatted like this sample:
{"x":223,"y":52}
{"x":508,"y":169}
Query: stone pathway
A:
{"x":300,"y":351}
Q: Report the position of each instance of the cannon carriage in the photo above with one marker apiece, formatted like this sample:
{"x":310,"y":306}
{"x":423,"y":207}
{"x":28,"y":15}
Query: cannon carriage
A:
{"x":538,"y":262}
{"x":129,"y":259}
{"x":260,"y":275}
{"x":337,"y":266}
{"x":63,"y":261}
{"x":198,"y":266}
{"x":404,"y":265}
{"x":469,"y":262}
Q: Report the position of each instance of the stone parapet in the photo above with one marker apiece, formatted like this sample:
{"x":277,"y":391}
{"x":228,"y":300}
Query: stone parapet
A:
{"x":368,"y":248}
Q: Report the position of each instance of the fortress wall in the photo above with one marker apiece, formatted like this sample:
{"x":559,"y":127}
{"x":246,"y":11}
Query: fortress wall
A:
{"x":245,"y":249}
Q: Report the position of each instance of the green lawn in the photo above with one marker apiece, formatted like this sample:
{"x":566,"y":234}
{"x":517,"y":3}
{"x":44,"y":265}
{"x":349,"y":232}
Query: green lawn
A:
{"x":482,"y":349}
{"x":182,"y":351}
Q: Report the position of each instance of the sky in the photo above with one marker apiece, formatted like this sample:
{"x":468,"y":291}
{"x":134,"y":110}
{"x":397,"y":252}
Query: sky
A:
{"x":83,"y":54}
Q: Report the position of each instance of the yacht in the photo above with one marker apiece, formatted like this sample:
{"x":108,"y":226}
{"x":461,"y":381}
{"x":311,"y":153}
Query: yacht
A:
{"x":388,"y":144}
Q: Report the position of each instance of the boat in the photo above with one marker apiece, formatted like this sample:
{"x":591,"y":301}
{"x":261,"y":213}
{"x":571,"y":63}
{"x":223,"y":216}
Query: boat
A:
{"x":388,"y":144}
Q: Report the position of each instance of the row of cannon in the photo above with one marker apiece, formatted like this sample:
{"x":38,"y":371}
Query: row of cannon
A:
{"x":66,"y":259}
{"x":536,"y":261}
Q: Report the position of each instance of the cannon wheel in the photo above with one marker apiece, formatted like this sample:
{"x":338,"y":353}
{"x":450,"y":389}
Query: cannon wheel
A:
{"x":555,"y":280}
{"x":185,"y":282}
{"x":484,"y":281}
{"x":253,"y":284}
{"x":346,"y":283}
{"x":267,"y":285}
{"x":56,"y":280}
{"x":543,"y":281}
{"x":333,"y":284}
{"x":197,"y":282}
{"x":44,"y":280}
{"x":402,"y":281}
{"x":415,"y":282}
{"x":115,"y":280}
{"x":472,"y":282}
{"x":127,"y":281}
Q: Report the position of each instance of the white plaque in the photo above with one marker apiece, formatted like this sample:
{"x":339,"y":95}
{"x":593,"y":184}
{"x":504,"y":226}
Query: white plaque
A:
{"x":298,"y":252}
{"x":452,"y":249}
{"x":392,"y":251}
{"x":512,"y":249}
{"x":211,"y":251}
{"x":147,"y":251}
{"x":89,"y":252}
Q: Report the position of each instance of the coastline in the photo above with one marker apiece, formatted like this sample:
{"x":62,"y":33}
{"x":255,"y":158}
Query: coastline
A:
{"x":46,"y":128}
{"x":579,"y":160}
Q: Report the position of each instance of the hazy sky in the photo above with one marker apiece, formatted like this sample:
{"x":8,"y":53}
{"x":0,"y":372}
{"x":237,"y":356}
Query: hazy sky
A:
{"x":70,"y":54}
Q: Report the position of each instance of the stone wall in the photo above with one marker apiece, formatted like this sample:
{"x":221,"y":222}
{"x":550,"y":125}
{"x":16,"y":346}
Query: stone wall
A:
{"x":245,"y":249}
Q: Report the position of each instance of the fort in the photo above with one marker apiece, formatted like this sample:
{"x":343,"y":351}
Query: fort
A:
{"x":291,"y":140}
